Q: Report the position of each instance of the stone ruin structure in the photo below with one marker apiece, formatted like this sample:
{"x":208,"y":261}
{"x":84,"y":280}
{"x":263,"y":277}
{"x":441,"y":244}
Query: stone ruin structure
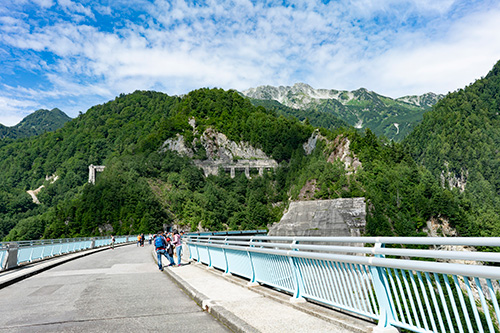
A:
{"x":92,"y":170}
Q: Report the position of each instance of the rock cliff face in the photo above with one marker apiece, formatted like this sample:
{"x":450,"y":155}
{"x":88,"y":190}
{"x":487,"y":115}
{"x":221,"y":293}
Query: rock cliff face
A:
{"x":344,"y":217}
{"x":177,"y":144}
{"x":453,"y":181}
{"x":220,"y":152}
{"x":342,"y":152}
{"x":217,"y":147}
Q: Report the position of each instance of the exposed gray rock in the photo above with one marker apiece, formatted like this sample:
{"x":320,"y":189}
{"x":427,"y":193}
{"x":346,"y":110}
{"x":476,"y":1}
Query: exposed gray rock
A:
{"x":342,"y":152}
{"x":427,"y":100}
{"x":310,"y":145}
{"x":221,"y":153}
{"x":216,"y":145}
{"x":177,"y":144}
{"x":452,"y":180}
{"x":329,"y":218}
{"x":219,"y":147}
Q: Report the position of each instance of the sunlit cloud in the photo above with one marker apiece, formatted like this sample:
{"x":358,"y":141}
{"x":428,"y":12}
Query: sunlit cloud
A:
{"x":90,"y":52}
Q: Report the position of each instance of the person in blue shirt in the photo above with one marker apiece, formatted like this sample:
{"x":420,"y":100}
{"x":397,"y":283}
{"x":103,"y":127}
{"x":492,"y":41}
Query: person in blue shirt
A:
{"x":162,"y":247}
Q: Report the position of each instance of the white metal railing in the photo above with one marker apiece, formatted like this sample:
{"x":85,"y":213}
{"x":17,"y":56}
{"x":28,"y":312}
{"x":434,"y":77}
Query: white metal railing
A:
{"x":19,"y":252}
{"x":415,"y":284}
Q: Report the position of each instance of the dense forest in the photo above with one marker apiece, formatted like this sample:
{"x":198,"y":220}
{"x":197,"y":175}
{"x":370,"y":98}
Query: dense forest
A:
{"x":459,"y":143}
{"x":145,"y":188}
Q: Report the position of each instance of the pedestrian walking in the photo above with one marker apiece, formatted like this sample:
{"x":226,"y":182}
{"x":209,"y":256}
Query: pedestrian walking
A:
{"x":112,"y":242}
{"x":161,"y":247}
{"x":178,"y":246}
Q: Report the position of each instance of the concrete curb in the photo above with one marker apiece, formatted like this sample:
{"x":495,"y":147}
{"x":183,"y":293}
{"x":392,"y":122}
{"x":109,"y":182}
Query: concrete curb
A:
{"x":333,"y":316}
{"x":223,"y":315}
{"x":226,"y":317}
{"x":22,"y":272}
{"x":336,"y":317}
{"x":340,"y":319}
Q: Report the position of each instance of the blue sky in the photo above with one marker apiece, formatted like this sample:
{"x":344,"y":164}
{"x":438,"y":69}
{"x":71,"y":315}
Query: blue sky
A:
{"x":74,"y":54}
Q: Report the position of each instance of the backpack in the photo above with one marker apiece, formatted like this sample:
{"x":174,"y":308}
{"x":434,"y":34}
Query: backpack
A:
{"x":159,"y":242}
{"x":170,"y":249}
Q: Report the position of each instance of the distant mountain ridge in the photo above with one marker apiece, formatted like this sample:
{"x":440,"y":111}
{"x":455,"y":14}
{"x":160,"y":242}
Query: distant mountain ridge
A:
{"x":38,"y":122}
{"x":425,"y":100}
{"x":393,"y":118}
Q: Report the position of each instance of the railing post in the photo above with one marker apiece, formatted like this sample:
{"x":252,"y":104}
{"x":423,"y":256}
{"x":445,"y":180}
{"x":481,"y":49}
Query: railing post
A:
{"x":208,"y":252}
{"x":252,"y":282}
{"x":299,"y":282}
{"x":43,"y":251}
{"x":12,"y":250}
{"x":31,"y":252}
{"x":190,"y":239}
{"x":226,"y":273}
{"x":382,"y":295}
{"x":198,"y":250}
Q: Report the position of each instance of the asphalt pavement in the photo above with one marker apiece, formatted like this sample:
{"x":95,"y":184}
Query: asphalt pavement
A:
{"x":118,"y":290}
{"x":106,"y":290}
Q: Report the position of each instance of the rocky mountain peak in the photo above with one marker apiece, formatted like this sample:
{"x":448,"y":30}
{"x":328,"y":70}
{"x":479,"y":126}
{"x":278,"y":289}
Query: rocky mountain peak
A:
{"x":425,"y":100}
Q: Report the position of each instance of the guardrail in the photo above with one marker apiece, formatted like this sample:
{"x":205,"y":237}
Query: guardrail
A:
{"x":260,"y":232}
{"x":14,"y":253}
{"x":423,"y":286}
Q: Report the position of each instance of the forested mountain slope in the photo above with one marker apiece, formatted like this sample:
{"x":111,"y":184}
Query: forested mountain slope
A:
{"x":125,"y":135}
{"x":144,"y":188}
{"x":459,"y":142}
{"x":38,"y":122}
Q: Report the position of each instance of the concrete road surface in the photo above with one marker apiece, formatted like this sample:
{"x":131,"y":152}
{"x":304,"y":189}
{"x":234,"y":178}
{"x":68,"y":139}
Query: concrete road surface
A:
{"x":118,"y":290}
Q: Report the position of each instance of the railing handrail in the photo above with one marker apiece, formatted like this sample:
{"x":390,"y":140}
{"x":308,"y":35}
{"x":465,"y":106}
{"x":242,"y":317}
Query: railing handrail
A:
{"x":36,"y":242}
{"x":360,"y":275}
{"x":465,"y":241}
{"x":377,"y":249}
{"x":16,"y":252}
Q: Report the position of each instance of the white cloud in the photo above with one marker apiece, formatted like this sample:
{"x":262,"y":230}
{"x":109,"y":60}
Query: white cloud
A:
{"x":76,"y":9}
{"x":177,"y":47}
{"x":12,"y":111}
{"x":44,"y":3}
{"x":469,"y":52}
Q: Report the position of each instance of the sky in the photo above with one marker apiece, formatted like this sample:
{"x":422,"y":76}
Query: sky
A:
{"x":71,"y":54}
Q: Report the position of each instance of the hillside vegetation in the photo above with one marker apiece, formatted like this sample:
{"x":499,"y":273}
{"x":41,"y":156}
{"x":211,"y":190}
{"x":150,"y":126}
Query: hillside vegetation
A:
{"x":125,"y":135}
{"x":144,"y":188}
{"x":459,"y":142}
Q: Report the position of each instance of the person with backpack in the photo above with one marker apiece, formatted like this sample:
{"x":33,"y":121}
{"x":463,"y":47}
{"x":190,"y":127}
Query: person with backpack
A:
{"x":170,"y":251}
{"x":161,"y":247}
